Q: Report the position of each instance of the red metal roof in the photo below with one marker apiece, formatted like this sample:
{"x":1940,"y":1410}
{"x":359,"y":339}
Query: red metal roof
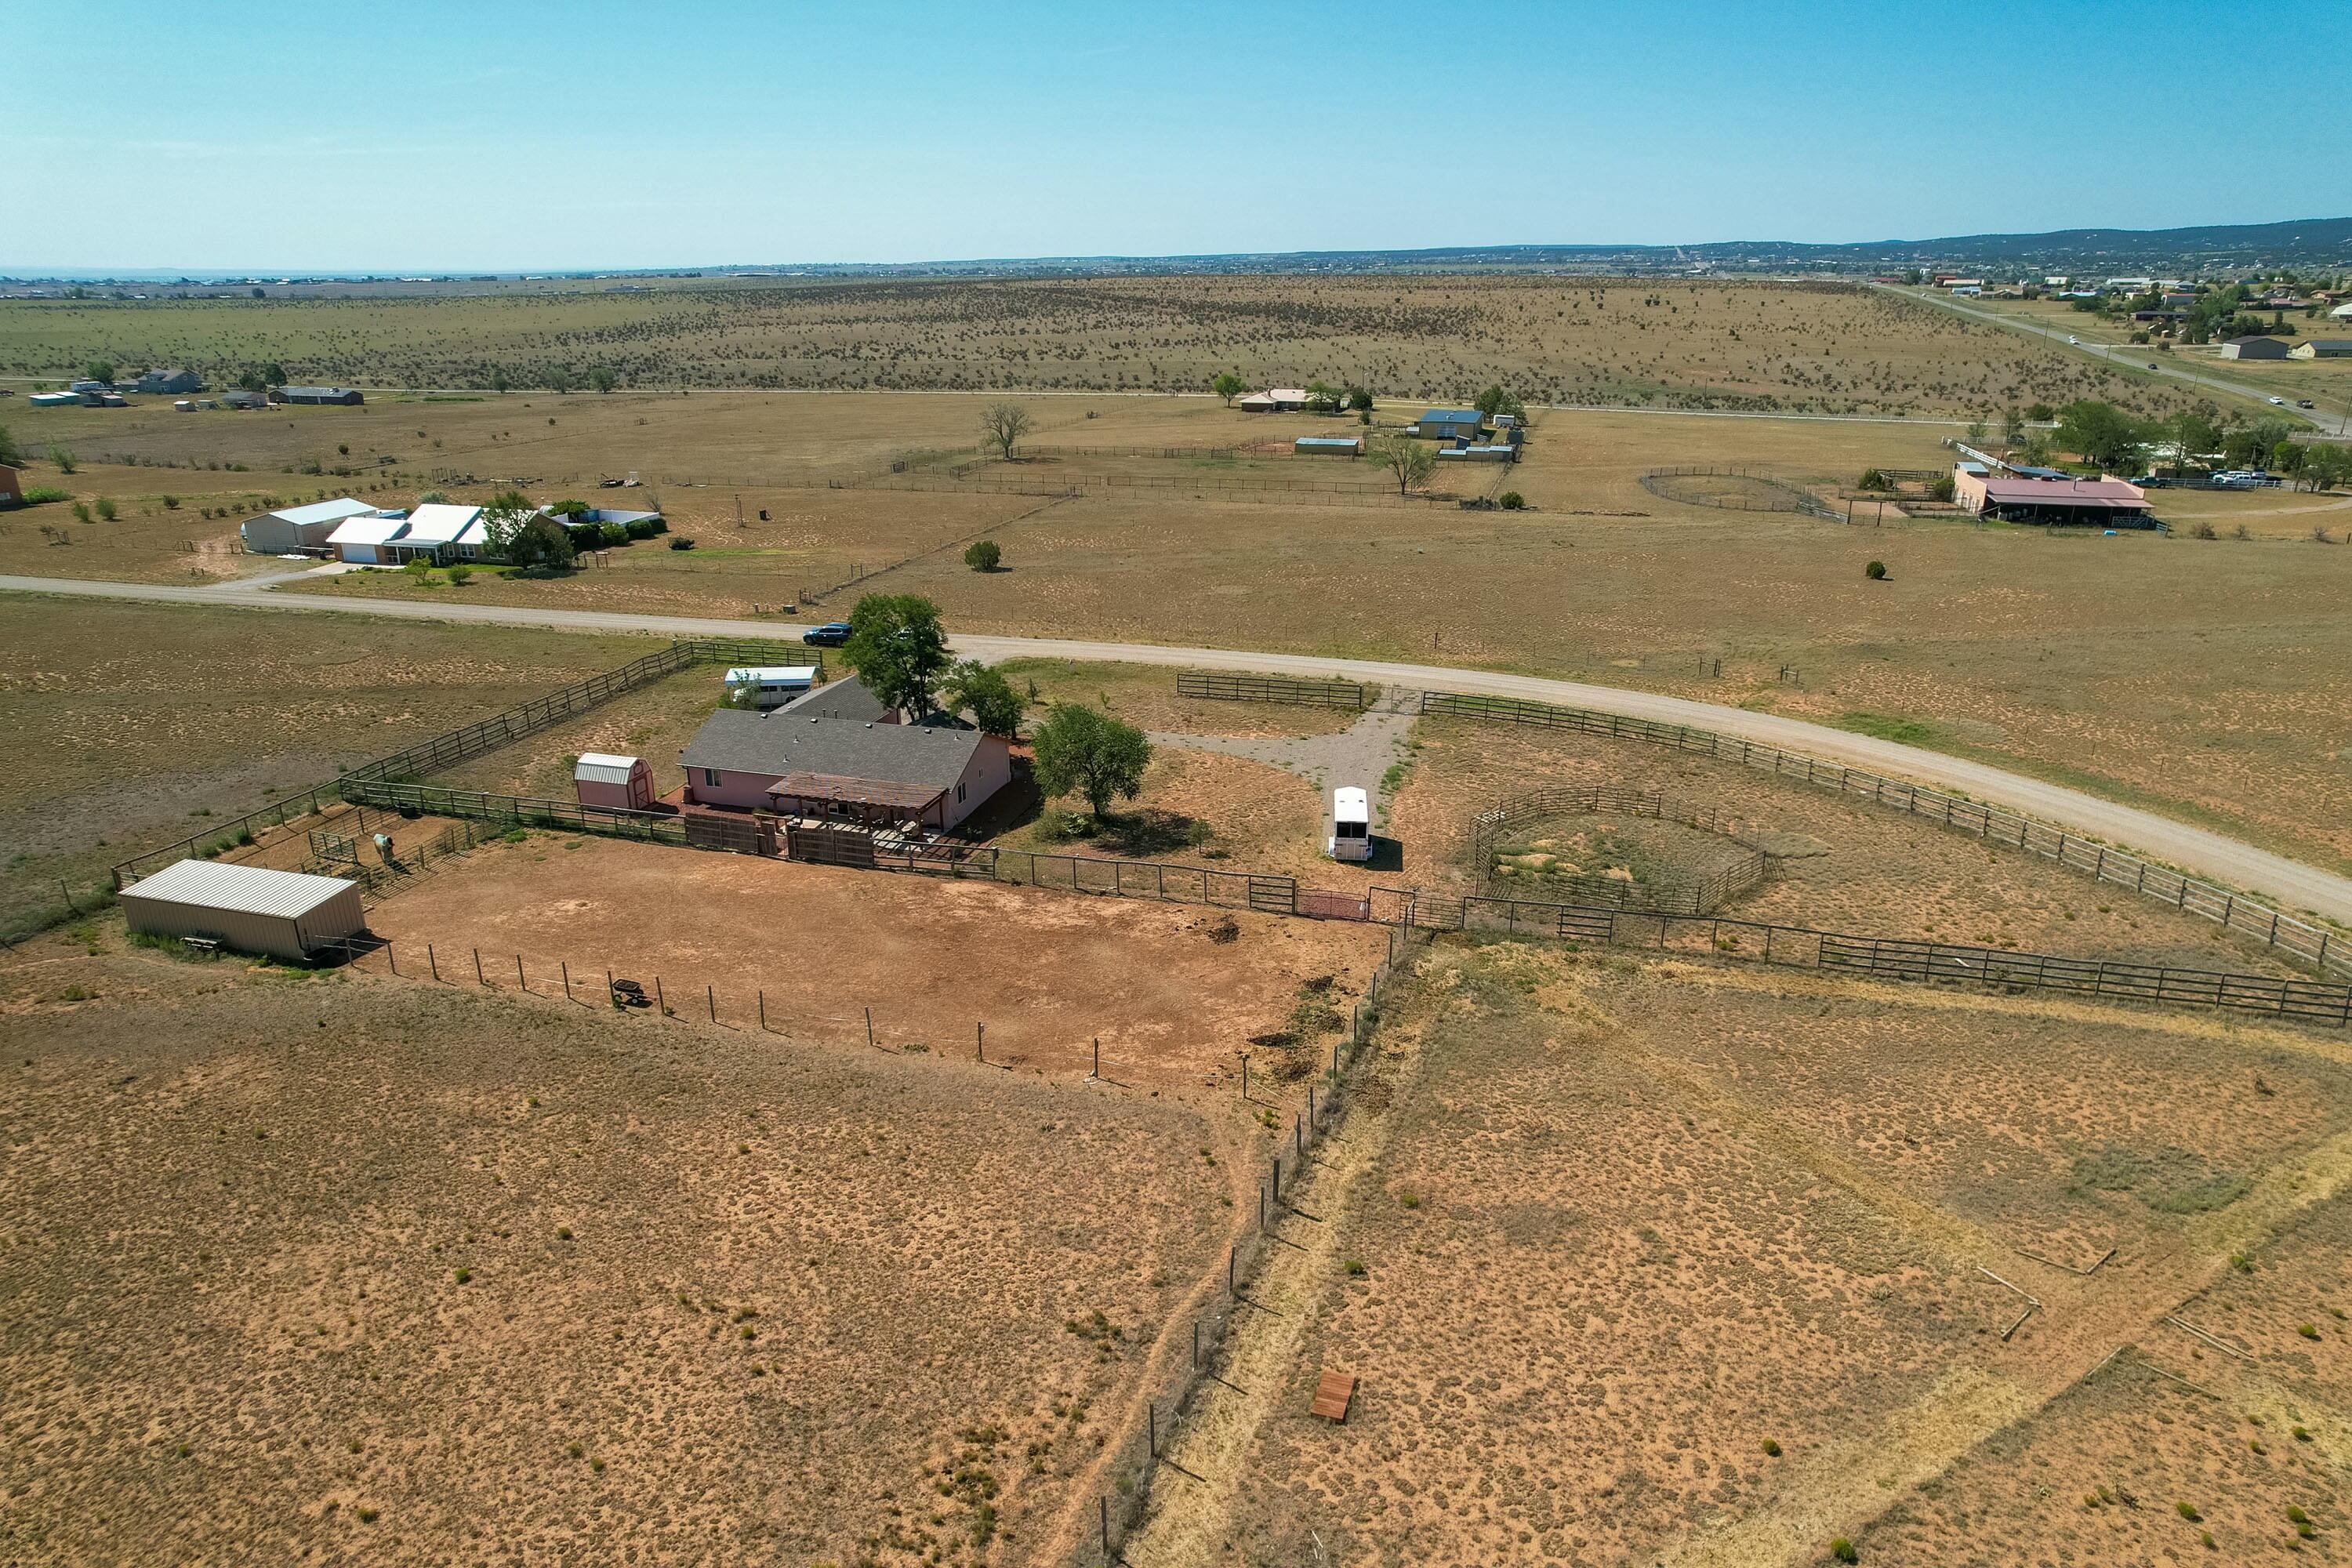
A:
{"x":2066,"y":493}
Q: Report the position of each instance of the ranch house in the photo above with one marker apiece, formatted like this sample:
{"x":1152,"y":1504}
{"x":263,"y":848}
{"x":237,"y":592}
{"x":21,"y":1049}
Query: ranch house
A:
{"x":2106,"y":503}
{"x":437,"y":533}
{"x":866,"y":771}
{"x":2322,"y":348}
{"x":171,"y":382}
{"x":343,"y":395}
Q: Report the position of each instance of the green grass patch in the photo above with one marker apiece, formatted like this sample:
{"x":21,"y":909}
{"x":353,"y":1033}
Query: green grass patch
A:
{"x":1892,"y":726}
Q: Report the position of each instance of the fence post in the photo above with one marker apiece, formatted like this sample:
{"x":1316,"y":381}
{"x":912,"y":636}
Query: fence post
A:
{"x":519,"y":979}
{"x":479,"y":977}
{"x":432,"y":962}
{"x":764,"y":1012}
{"x":566,"y":964}
{"x":661,"y":1003}
{"x":869,"y":1029}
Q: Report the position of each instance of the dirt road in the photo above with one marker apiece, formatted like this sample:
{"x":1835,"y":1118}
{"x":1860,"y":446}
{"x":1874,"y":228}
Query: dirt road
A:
{"x":2295,"y":886}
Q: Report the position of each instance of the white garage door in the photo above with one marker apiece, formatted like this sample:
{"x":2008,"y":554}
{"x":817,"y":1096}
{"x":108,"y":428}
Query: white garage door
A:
{"x":362,"y":553}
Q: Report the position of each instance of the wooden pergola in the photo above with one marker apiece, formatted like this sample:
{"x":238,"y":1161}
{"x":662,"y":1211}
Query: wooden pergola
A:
{"x":829,"y":797}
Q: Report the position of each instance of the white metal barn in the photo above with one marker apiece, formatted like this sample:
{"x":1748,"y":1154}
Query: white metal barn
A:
{"x":286,"y":914}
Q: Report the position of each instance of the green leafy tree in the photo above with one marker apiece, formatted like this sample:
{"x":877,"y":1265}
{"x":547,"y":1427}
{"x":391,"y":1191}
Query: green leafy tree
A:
{"x":1322,"y":397}
{"x":1495,"y":400}
{"x":604,"y":377}
{"x":1083,"y":750}
{"x":1360,"y":399}
{"x":1229,"y":386}
{"x":101,"y":370}
{"x":560,"y":379}
{"x":62,"y":457}
{"x":499,"y":380}
{"x":521,"y":537}
{"x":983,"y":554}
{"x":1410,"y":461}
{"x":274,"y":374}
{"x":898,"y":649}
{"x":1001,"y":426}
{"x":2102,"y":434}
{"x":992,"y":701}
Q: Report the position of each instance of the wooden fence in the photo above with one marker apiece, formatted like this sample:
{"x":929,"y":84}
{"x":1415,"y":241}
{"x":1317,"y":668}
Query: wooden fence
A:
{"x":454,"y":746}
{"x":1344,"y":694}
{"x":1882,"y":958}
{"x":1673,"y":894}
{"x":2237,"y":912}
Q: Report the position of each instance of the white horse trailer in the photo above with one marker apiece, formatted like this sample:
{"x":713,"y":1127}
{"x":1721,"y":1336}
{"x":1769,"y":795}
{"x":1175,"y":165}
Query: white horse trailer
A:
{"x":1351,"y":824}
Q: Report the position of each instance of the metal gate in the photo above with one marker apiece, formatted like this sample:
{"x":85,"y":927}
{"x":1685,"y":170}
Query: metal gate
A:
{"x":1273,"y":895}
{"x":1323,"y":904}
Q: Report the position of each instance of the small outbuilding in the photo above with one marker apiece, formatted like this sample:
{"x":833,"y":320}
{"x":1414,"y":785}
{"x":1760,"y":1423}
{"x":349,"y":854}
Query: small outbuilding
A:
{"x":12,"y":487}
{"x":243,"y":400}
{"x":624,"y":783}
{"x":1497,"y":452}
{"x":1329,"y":447}
{"x":293,"y":528}
{"x":284,"y":914}
{"x":2254,"y":348}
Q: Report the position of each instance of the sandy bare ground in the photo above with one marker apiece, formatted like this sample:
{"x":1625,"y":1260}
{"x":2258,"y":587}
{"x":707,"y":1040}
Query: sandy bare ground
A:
{"x":2296,"y":885}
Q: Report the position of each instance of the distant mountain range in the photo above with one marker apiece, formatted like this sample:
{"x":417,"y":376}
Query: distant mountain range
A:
{"x":2303,"y":245}
{"x":2322,"y":243}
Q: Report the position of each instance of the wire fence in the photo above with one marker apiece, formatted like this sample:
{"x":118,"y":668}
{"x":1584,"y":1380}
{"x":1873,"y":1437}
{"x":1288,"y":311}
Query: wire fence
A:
{"x":1771,"y":494}
{"x":1672,"y":893}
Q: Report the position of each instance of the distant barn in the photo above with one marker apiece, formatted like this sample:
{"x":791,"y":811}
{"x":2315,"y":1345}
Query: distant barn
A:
{"x":343,"y":394}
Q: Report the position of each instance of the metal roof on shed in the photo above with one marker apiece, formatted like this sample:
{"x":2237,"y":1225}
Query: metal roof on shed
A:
{"x":250,"y":890}
{"x":1451,"y":416}
{"x":323,"y":512}
{"x":603,"y":767}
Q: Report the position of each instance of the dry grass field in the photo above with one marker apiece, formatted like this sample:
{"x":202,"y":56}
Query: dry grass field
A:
{"x":1654,"y":1262}
{"x":1807,"y":347}
{"x":132,"y":725}
{"x":334,"y":1268}
{"x":1170,"y":990}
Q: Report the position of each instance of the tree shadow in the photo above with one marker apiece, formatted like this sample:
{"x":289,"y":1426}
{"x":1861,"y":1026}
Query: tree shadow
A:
{"x":1151,"y":832}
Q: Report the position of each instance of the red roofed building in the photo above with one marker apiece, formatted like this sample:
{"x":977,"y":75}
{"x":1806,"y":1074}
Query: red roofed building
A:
{"x":2109,"y":503}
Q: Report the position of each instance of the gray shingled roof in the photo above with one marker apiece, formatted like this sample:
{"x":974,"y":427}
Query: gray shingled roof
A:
{"x":735,"y":741}
{"x":847,"y":699}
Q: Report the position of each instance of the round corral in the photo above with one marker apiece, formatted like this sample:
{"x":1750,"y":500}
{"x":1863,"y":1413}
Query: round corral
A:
{"x":1732,"y":489}
{"x":1621,"y":848}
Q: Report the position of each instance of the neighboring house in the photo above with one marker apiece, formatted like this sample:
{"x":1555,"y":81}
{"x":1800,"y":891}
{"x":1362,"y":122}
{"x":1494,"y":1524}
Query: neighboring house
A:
{"x":1448,"y":424}
{"x":365,"y":540}
{"x":168,"y":382}
{"x":343,"y":394}
{"x":2342,"y":312}
{"x":2254,"y":348}
{"x":442,"y":532}
{"x":12,"y":487}
{"x":2322,"y":348}
{"x":863,"y":772}
{"x":845,"y":699}
{"x":293,"y":528}
{"x":2108,"y":502}
{"x":1279,"y":400}
{"x":243,"y":400}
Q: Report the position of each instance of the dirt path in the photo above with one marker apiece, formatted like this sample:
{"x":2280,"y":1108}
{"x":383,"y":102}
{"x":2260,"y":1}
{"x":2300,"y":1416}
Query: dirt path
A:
{"x":1206,"y":1466}
{"x":2296,"y":886}
{"x":1360,"y":755}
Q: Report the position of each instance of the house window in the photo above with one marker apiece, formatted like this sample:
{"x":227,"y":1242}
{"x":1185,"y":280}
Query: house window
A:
{"x":958,"y":793}
{"x":710,"y":777}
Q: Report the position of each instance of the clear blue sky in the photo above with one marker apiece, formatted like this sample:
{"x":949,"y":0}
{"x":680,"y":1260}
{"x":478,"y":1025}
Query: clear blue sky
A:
{"x":433,"y":135}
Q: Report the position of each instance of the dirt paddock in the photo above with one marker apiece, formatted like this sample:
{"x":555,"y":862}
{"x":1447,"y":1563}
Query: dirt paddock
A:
{"x":1048,"y":972}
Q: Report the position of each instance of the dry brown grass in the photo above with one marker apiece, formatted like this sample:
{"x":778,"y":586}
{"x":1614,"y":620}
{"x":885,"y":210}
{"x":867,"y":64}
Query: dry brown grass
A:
{"x":135,"y":723}
{"x":387,"y":1271}
{"x":1623,"y":1224}
{"x":1825,"y":347}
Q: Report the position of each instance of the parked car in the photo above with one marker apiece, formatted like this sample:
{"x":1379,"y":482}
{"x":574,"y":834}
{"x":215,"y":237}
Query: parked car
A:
{"x":832,"y":634}
{"x":2152,"y":482}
